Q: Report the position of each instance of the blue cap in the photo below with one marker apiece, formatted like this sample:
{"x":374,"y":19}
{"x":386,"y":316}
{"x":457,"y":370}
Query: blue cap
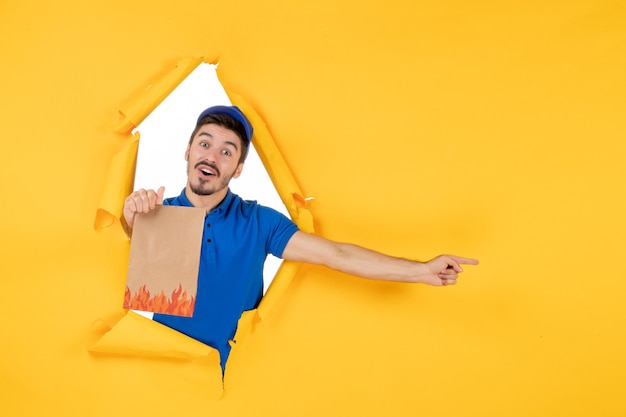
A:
{"x":232,"y":111}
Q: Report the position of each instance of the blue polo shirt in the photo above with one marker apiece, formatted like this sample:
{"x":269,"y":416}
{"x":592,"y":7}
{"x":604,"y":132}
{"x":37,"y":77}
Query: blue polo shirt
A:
{"x":237,"y":237}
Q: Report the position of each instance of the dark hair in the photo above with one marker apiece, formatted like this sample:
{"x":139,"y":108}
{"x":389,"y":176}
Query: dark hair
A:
{"x":229,"y":123}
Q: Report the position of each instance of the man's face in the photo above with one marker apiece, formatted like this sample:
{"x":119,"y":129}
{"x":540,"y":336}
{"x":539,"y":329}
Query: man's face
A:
{"x":213,"y":159}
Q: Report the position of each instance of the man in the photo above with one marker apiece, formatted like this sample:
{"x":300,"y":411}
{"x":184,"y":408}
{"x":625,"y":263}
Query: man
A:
{"x":239,"y":234}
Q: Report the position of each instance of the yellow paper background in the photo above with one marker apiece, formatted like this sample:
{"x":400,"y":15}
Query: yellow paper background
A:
{"x":492,"y":130}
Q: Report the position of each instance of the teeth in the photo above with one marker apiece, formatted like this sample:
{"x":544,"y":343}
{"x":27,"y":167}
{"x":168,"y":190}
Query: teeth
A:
{"x":206,"y":171}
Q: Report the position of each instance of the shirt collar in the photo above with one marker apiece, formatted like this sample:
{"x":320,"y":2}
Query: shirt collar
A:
{"x":221,"y":207}
{"x":224,"y":204}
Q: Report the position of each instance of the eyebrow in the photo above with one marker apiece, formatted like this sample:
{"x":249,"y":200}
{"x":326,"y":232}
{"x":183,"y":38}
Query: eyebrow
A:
{"x":228,"y":142}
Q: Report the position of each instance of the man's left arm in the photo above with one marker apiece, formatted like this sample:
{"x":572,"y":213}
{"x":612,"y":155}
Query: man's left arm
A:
{"x":366,"y":263}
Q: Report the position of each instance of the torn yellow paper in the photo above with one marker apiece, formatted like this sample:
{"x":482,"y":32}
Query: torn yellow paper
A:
{"x":278,"y":287}
{"x":120,"y":176}
{"x":139,"y":337}
{"x":276,"y":166}
{"x":137,"y":109}
{"x":136,"y":335}
{"x":118,"y":184}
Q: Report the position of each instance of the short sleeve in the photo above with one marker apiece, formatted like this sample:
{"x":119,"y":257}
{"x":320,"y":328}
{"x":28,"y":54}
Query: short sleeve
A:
{"x":280,"y":232}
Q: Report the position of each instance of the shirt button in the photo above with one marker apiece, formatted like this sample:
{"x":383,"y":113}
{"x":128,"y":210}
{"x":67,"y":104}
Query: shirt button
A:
{"x":208,"y":240}
{"x":208,"y":225}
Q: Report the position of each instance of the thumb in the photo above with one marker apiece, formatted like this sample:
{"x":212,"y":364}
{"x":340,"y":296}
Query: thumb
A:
{"x":160,"y":194}
{"x":452,"y":263}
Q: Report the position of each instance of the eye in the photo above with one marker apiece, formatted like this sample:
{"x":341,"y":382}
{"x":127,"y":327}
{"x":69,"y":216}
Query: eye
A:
{"x":227,"y":152}
{"x":204,"y":144}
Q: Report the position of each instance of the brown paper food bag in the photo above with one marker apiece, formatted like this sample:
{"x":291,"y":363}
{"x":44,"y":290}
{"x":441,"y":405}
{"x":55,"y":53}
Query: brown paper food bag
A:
{"x":164,"y":260}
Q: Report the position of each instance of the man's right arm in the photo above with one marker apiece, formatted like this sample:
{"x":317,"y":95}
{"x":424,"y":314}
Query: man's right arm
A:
{"x":140,"y":201}
{"x":366,"y":263}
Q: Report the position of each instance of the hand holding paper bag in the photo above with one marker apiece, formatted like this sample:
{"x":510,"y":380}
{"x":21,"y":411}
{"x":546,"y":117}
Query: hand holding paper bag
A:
{"x":141,"y":201}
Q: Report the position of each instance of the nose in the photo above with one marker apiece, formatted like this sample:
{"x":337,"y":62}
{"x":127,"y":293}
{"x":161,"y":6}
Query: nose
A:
{"x":210,"y":155}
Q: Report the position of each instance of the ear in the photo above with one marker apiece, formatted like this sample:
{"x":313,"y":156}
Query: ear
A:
{"x":187,"y":152}
{"x":238,"y":170}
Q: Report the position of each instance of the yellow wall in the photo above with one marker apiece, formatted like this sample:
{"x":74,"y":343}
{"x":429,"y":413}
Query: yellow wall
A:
{"x":486,"y":129}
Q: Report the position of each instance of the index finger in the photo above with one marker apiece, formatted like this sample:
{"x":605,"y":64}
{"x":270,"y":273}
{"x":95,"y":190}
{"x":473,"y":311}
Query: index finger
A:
{"x":466,"y":261}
